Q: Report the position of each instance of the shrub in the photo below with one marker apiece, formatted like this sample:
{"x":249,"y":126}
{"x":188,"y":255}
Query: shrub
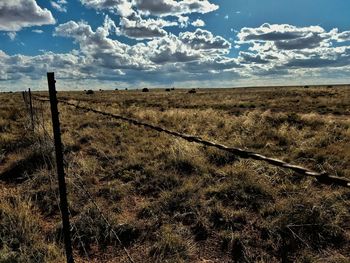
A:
{"x":192,"y":91}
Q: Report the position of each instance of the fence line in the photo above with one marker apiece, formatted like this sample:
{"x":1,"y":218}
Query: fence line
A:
{"x":80,"y":185}
{"x":322,"y":177}
{"x":52,"y":184}
{"x":60,"y":168}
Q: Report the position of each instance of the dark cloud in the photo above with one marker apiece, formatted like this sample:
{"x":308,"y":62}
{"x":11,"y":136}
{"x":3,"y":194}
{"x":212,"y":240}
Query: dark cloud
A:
{"x":247,"y":58}
{"x":172,"y":7}
{"x":153,"y":7}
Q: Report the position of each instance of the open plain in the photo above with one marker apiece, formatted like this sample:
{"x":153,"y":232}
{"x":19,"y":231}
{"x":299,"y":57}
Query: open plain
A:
{"x":169,"y":200}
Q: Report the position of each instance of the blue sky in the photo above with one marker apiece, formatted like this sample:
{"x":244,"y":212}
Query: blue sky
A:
{"x":157,"y":43}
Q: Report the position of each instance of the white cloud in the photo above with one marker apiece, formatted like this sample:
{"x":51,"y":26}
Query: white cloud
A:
{"x":344,"y":36}
{"x":12,"y":35}
{"x":59,"y":5}
{"x":198,"y":23}
{"x":287,"y":37}
{"x":134,"y":15}
{"x":17,"y":14}
{"x":158,"y":55}
{"x":35,"y":67}
{"x":139,"y":28}
{"x":122,"y":7}
{"x":205,"y":40}
{"x":183,"y":21}
{"x":286,"y":49}
{"x":38,"y":31}
{"x":101,"y":50}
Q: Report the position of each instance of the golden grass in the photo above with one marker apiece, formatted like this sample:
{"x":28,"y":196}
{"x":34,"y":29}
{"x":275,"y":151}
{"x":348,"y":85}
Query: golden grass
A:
{"x":174,"y":201}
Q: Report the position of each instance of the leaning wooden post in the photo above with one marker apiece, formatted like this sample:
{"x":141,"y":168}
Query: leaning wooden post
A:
{"x":60,"y":168}
{"x":31,"y":108}
{"x":24,"y":98}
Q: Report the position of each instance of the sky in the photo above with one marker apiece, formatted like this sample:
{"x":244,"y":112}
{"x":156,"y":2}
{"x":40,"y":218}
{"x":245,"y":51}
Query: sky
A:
{"x":108,"y":44}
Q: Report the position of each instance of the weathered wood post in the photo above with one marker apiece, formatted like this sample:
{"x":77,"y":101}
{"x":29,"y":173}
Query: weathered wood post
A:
{"x":60,"y":167}
{"x":31,"y":108}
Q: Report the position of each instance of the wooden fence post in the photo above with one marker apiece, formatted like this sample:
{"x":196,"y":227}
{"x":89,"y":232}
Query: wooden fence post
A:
{"x":60,"y":167}
{"x":31,"y":108}
{"x":24,"y":98}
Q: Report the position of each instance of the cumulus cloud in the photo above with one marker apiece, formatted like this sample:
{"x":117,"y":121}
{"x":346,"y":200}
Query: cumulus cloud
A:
{"x":172,"y":7}
{"x":134,"y":15}
{"x":38,"y":31}
{"x":59,"y":5}
{"x":287,"y":36}
{"x":344,"y":36}
{"x":35,"y":67}
{"x":122,"y":7}
{"x":17,"y":14}
{"x":288,"y":48}
{"x":170,"y":49}
{"x":169,"y":55}
{"x":153,"y":7}
{"x":139,"y":28}
{"x":198,"y":23}
{"x":12,"y":35}
{"x":183,"y":21}
{"x":203,"y":39}
{"x":100,"y":49}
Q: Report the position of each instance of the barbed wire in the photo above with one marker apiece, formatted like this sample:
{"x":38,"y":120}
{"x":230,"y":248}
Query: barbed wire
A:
{"x":322,"y":177}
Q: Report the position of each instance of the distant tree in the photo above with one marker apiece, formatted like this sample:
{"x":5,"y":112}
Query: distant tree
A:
{"x":145,"y":90}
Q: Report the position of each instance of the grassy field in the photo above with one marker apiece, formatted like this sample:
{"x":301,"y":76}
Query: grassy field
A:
{"x":173,"y":201}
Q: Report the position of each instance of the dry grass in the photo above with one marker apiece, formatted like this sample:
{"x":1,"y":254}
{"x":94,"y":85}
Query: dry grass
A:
{"x":174,"y":201}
